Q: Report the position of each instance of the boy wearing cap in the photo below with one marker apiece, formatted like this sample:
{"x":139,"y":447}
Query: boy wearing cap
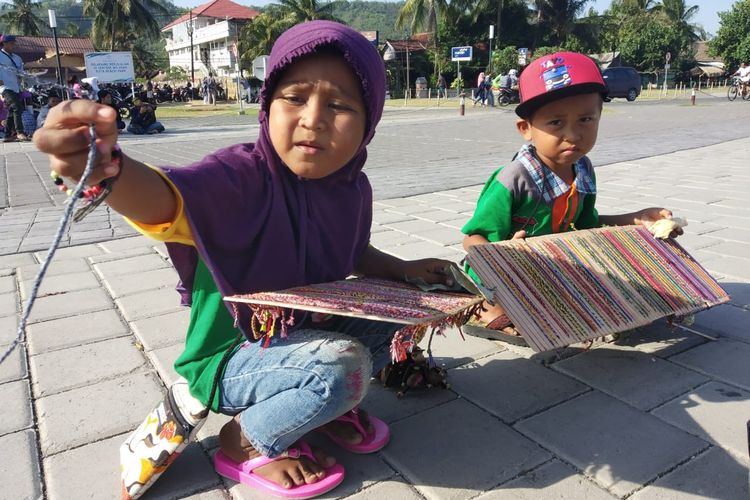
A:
{"x":550,"y":186}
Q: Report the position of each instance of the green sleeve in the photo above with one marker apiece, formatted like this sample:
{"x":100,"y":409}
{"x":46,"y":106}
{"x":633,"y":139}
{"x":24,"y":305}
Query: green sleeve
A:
{"x":492,"y":217}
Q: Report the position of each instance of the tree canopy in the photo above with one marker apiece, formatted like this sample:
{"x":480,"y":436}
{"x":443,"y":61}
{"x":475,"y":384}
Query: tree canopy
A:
{"x":732,"y":42}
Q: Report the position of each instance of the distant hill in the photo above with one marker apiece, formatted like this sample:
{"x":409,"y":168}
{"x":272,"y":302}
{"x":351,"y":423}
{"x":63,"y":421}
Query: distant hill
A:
{"x":371,"y":16}
{"x":361,"y":15}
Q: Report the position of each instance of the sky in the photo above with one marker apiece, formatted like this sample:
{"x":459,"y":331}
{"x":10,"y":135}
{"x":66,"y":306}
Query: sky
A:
{"x":706,"y":16}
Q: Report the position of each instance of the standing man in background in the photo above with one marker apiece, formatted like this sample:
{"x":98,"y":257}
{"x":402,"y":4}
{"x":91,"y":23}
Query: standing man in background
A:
{"x":11,"y":67}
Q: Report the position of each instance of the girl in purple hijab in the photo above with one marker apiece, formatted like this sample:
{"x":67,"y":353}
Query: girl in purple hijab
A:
{"x":293,"y":208}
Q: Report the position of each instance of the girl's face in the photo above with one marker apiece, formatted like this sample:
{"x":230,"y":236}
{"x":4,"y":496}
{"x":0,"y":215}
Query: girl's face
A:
{"x":317,"y":117}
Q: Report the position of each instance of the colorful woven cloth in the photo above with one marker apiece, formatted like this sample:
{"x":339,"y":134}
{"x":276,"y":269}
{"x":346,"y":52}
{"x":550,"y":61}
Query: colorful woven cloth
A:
{"x":570,"y":287}
{"x":367,"y":298}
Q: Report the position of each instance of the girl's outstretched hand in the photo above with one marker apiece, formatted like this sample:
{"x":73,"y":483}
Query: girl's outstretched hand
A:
{"x":65,"y":137}
{"x":432,"y":271}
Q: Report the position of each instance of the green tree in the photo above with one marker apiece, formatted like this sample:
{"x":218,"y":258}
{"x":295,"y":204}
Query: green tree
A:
{"x":421,"y":15}
{"x":681,"y":15}
{"x":299,"y":11}
{"x":21,"y":17}
{"x":732,"y":42}
{"x":558,"y":20}
{"x":258,"y":36}
{"x":72,"y":29}
{"x":645,"y":39}
{"x":113,"y":19}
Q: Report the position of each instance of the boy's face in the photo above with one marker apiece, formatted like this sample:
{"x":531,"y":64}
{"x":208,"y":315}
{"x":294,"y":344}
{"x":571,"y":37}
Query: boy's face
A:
{"x":53,"y":101}
{"x":563,"y":131}
{"x":317,"y":116}
{"x":107,"y":99}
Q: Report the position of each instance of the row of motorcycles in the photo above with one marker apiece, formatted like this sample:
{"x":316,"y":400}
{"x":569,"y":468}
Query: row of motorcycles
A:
{"x":122,"y":95}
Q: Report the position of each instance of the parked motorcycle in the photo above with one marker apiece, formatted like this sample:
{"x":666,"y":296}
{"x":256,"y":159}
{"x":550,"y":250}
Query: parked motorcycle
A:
{"x":508,"y":96}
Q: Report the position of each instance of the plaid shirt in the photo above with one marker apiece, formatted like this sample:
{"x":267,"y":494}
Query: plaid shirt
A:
{"x":549,"y":184}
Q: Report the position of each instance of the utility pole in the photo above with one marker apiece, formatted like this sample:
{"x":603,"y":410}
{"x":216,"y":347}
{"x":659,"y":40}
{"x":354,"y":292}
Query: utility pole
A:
{"x":53,"y":25}
{"x":192,"y":54}
{"x":492,"y":35}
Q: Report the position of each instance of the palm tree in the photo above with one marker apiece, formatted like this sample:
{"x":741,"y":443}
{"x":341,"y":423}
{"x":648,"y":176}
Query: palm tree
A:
{"x":72,"y":30}
{"x":258,"y":36}
{"x":421,"y":15}
{"x":681,"y":14}
{"x":559,"y":18}
{"x":300,"y":11}
{"x":113,"y":18}
{"x":21,"y":17}
{"x":639,"y":5}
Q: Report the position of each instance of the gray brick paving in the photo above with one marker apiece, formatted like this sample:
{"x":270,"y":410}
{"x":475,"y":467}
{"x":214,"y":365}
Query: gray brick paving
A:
{"x":714,"y":474}
{"x":15,"y":367}
{"x":17,"y":401}
{"x":629,"y":375}
{"x":147,"y":304}
{"x":20,"y":475}
{"x":427,"y":458}
{"x":571,"y":441}
{"x":715,"y":412}
{"x":128,"y":284}
{"x":163,"y":330}
{"x":552,"y":480}
{"x":477,"y":382}
{"x":75,"y":330}
{"x":611,"y":441}
{"x":79,"y":416}
{"x":60,"y":370}
{"x":723,"y":360}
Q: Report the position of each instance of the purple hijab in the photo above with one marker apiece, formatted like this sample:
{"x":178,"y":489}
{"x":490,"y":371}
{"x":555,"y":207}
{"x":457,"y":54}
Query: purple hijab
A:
{"x":259,"y":227}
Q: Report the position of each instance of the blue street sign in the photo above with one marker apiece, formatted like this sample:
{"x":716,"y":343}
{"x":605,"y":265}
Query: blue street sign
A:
{"x":461,"y":53}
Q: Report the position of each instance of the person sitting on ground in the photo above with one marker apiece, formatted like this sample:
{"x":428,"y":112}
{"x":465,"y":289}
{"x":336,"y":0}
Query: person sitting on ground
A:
{"x":144,"y":121}
{"x":52,"y":101}
{"x":255,"y":217}
{"x":105,"y":97}
{"x":550,"y":185}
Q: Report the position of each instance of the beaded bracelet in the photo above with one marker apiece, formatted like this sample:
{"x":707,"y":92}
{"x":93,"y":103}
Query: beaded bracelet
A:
{"x":94,"y":195}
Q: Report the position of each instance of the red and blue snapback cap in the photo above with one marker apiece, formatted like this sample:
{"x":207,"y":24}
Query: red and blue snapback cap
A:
{"x":558,"y":75}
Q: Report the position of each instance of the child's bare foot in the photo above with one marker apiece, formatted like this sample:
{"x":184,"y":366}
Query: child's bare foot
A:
{"x":348,"y":432}
{"x":287,"y":472}
{"x":495,"y":319}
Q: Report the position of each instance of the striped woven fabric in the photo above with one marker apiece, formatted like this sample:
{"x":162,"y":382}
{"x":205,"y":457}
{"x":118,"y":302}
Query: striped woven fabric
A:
{"x":569,"y":287}
{"x":367,"y":298}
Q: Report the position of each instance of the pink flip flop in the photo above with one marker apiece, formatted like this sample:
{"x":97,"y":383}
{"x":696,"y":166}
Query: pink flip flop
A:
{"x":370,"y":442}
{"x":243,"y":473}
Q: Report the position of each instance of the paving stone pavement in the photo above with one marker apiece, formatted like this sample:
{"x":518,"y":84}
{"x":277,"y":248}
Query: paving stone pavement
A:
{"x":657,"y":413}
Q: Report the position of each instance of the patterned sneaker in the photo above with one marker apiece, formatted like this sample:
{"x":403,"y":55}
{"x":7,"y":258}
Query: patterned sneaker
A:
{"x":159,"y":440}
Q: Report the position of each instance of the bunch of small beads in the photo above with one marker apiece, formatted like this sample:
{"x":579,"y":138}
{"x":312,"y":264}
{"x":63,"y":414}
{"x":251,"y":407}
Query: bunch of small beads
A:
{"x":93,"y":191}
{"x":86,"y":193}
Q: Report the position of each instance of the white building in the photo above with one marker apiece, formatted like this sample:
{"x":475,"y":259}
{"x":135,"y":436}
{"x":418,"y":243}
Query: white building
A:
{"x":215,"y":27}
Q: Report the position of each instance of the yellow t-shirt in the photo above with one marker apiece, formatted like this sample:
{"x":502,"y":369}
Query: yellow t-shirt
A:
{"x":175,"y":231}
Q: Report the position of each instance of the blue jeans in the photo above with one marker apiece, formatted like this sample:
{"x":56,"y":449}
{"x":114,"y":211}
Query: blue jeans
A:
{"x":304,"y":381}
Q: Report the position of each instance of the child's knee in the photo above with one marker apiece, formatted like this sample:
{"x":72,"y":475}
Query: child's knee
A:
{"x":351,"y":369}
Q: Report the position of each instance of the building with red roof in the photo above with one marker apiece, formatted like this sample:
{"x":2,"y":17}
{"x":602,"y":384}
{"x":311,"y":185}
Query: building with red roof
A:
{"x":38,"y":55}
{"x":215,"y":27}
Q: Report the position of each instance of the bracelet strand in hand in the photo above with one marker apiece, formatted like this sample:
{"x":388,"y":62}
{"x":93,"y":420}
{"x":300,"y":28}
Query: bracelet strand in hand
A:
{"x":92,"y":196}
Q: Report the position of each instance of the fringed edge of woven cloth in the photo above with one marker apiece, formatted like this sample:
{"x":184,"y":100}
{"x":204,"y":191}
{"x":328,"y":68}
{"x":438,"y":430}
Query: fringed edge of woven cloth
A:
{"x":266,"y":321}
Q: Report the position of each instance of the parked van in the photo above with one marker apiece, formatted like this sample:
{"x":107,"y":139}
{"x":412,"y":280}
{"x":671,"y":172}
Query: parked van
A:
{"x":623,"y":82}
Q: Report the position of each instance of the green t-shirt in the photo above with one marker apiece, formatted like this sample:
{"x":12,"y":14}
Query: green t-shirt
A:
{"x":210,"y":333}
{"x":511,"y":200}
